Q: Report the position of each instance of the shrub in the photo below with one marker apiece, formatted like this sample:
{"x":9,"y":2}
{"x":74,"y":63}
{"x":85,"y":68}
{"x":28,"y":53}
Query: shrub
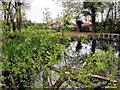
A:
{"x":71,"y":28}
{"x":23,"y":58}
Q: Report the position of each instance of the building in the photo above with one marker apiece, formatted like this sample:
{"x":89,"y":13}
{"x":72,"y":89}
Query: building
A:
{"x":86,"y":22}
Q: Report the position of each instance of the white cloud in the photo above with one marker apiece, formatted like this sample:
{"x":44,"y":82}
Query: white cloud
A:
{"x":37,"y":8}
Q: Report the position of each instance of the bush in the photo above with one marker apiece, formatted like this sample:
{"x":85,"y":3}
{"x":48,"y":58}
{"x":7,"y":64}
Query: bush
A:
{"x":71,"y":28}
{"x":86,"y":29}
{"x":33,"y":60}
{"x":25,"y":56}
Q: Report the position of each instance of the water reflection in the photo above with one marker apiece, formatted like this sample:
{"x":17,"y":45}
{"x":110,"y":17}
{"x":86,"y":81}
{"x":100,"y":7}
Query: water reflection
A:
{"x":86,"y":48}
{"x":75,"y":58}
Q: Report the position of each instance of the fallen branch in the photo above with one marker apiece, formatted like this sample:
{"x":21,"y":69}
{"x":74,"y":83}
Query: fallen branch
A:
{"x":90,"y":75}
{"x":61,"y":80}
{"x":101,"y":78}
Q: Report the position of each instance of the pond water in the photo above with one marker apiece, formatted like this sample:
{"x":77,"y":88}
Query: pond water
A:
{"x":75,"y":57}
{"x":77,"y":50}
{"x":86,"y":48}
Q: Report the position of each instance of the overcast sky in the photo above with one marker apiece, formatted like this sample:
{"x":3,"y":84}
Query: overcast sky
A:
{"x":35,"y":13}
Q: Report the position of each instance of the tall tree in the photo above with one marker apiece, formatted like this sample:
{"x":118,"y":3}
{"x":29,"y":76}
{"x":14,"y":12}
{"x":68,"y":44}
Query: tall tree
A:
{"x":46,"y":16}
{"x":18,"y":14}
{"x":118,"y":18}
{"x":93,"y":8}
{"x":12,"y":15}
{"x":78,"y":7}
{"x":73,"y":8}
{"x":109,"y":6}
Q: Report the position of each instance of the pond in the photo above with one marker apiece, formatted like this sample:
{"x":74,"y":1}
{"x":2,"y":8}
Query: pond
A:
{"x":78,"y":50}
{"x":74,"y":55}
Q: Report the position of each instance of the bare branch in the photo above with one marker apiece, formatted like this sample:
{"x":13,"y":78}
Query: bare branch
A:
{"x":101,"y":78}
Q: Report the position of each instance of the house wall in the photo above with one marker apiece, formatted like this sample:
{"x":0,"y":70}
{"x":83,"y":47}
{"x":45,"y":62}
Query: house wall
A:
{"x":85,"y":19}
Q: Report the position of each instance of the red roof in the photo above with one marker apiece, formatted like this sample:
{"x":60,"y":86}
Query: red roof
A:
{"x":85,"y":24}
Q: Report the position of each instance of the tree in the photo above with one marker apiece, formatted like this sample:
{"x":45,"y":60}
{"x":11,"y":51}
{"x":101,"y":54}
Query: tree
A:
{"x":77,"y":7}
{"x":109,"y":6}
{"x":12,"y":15}
{"x":46,"y":16}
{"x":108,"y":12}
{"x":118,"y":18}
{"x":66,"y":17}
{"x":93,"y":8}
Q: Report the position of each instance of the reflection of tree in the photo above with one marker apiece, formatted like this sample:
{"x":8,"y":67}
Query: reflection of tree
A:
{"x":77,"y":69}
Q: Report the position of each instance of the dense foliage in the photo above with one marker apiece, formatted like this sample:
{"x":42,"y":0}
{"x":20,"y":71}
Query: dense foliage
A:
{"x":32,"y":56}
{"x":34,"y":59}
{"x":105,"y":13}
{"x":29,"y":53}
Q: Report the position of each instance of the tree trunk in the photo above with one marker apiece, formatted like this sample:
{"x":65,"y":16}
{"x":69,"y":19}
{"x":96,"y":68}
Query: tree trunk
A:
{"x":6,"y":23}
{"x":115,"y":15}
{"x":13,"y":23}
{"x":4,"y":4}
{"x":112,"y":23}
{"x":19,"y":16}
{"x":16,"y":14}
{"x":8,"y":15}
{"x":93,"y":12}
{"x":107,"y":18}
